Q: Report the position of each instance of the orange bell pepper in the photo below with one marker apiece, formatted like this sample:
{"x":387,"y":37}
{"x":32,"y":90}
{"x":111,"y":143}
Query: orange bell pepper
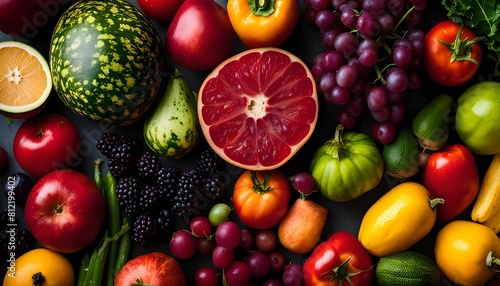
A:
{"x":263,"y":23}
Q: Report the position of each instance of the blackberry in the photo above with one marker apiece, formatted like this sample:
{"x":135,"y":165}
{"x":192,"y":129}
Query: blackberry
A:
{"x":149,"y":200}
{"x":122,"y":152}
{"x":168,"y":183}
{"x":189,"y":199}
{"x":16,"y":240}
{"x":213,"y":188}
{"x":129,"y":194}
{"x":210,"y":163}
{"x":144,"y":229}
{"x":148,"y":166}
{"x":106,"y":143}
{"x":165,"y":220}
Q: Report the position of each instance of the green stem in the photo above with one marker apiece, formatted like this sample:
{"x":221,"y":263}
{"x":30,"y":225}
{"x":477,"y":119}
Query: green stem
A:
{"x":461,"y":50}
{"x":123,"y":247}
{"x":97,"y":173}
{"x":114,"y":218}
{"x":83,"y":269}
{"x":258,"y":186}
{"x":338,"y":148}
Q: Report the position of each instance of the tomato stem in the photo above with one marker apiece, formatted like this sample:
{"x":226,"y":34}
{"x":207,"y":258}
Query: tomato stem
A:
{"x":342,"y":273}
{"x":461,"y":50}
{"x":258,"y":186}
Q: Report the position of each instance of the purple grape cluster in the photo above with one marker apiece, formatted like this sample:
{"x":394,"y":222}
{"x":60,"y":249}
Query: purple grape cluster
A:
{"x":372,"y":54}
{"x":240,"y":256}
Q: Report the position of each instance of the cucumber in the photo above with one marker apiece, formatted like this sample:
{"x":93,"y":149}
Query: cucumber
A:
{"x":432,"y":123}
{"x":172,"y":130}
{"x":408,"y":268}
{"x":401,"y":155}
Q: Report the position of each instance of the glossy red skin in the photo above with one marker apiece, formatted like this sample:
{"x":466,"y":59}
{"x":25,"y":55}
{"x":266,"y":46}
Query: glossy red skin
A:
{"x":160,"y":10}
{"x":341,"y":246}
{"x":45,"y":143}
{"x":154,"y":268}
{"x":437,"y":57}
{"x":79,"y":222}
{"x":451,"y":174}
{"x":200,"y":36}
{"x":26,"y":17}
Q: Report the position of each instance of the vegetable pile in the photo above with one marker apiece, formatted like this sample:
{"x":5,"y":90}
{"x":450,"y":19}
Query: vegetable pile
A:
{"x":394,"y":168}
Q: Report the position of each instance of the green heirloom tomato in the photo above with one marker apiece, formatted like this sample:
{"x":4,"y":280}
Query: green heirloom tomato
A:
{"x":347,"y":166}
{"x":478,"y":118}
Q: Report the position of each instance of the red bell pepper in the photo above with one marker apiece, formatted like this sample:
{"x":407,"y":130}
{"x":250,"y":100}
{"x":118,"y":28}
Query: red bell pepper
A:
{"x":340,"y":260}
{"x":451,"y":174}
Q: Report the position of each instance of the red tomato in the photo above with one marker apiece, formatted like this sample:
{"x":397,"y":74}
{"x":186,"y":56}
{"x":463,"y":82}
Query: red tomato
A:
{"x":261,"y":198}
{"x":200,"y":36}
{"x":45,"y":143}
{"x":451,"y":174}
{"x":451,"y":56}
{"x":160,"y":10}
{"x":341,"y":260}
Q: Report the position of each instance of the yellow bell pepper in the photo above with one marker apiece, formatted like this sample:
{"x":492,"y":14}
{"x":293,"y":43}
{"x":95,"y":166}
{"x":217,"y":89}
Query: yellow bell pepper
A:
{"x":399,"y":219}
{"x":263,"y":23}
{"x":465,"y":252}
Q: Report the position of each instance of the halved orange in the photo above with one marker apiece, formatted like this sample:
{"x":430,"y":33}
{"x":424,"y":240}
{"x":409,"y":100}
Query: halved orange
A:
{"x":258,"y":108}
{"x":25,"y":80}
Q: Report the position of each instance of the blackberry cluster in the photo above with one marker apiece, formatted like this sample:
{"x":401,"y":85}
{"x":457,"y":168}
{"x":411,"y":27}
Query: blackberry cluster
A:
{"x":168,"y":182}
{"x":144,"y":229}
{"x":210,"y":163}
{"x":152,"y":195}
{"x":196,"y":193}
{"x":122,"y":152}
{"x":14,"y":239}
{"x":148,"y":166}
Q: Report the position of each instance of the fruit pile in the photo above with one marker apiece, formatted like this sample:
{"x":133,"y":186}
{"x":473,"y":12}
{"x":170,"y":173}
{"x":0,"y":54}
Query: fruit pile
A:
{"x":152,"y":195}
{"x":371,"y":58}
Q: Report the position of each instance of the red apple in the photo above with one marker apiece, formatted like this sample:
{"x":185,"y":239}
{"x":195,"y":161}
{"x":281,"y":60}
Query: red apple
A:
{"x":45,"y":143}
{"x":65,"y":210}
{"x":154,"y":268}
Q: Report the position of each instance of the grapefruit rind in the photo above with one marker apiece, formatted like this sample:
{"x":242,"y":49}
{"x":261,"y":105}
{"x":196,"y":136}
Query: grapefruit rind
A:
{"x":39,"y":103}
{"x":258,"y":108}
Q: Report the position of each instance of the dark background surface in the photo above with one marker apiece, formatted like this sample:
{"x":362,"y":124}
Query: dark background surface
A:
{"x":305,"y":42}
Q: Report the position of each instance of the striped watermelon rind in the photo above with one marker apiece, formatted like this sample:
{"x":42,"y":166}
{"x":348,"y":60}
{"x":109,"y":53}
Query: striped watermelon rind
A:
{"x":106,"y":61}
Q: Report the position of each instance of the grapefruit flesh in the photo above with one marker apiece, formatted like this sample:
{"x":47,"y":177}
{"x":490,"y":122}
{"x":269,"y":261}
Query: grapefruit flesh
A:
{"x":258,"y":108}
{"x":25,"y":80}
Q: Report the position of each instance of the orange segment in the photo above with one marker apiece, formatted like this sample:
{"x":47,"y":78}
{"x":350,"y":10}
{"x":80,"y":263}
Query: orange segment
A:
{"x":258,"y":108}
{"x":25,"y":80}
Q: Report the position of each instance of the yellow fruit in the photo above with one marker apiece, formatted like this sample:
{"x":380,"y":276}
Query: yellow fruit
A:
{"x":25,"y":80}
{"x":467,"y":252}
{"x":399,"y":219}
{"x":54,"y":267}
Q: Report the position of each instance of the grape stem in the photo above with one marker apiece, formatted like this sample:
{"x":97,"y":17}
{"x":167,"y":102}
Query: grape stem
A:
{"x":393,"y":32}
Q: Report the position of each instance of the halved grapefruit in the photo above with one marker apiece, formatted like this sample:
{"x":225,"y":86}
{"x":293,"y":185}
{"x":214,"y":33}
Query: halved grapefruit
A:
{"x":258,"y":108}
{"x":25,"y":80}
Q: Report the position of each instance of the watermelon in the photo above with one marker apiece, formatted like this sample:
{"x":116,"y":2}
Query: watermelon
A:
{"x":106,"y":61}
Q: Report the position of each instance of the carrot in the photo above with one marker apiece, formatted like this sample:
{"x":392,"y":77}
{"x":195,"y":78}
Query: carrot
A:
{"x":300,"y":230}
